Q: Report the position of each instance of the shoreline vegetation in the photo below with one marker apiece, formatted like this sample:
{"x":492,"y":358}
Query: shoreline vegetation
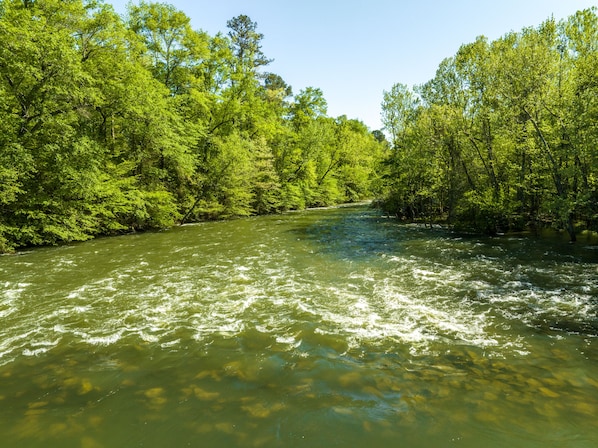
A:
{"x":113,"y":124}
{"x":505,"y":136}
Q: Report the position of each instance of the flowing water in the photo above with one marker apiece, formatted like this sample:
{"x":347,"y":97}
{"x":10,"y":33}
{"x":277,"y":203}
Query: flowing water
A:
{"x":323,"y":328}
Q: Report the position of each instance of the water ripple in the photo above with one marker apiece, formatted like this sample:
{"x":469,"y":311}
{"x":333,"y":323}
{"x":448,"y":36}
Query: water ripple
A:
{"x":408,"y":289}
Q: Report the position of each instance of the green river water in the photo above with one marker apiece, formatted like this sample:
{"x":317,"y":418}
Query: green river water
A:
{"x":332,"y":327}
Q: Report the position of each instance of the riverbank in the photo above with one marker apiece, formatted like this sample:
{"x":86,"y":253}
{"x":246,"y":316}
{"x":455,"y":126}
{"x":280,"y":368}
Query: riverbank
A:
{"x":7,"y":249}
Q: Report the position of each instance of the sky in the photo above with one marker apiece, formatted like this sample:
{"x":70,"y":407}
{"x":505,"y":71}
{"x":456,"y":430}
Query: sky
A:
{"x":353,"y":50}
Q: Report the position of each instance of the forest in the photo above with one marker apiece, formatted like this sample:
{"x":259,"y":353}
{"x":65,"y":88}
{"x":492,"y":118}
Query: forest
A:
{"x":113,"y":124}
{"x":505,"y":136}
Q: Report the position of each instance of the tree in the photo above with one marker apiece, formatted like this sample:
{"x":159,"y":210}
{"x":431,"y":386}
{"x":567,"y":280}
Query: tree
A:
{"x":175,"y":49}
{"x":505,"y":128}
{"x":398,"y":107}
{"x":109,"y":126}
{"x":46,"y":93}
{"x":246,"y":45}
{"x":580,"y":53}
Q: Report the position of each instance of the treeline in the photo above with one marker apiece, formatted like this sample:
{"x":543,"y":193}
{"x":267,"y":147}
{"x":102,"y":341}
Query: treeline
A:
{"x":505,"y":137}
{"x":111,"y":124}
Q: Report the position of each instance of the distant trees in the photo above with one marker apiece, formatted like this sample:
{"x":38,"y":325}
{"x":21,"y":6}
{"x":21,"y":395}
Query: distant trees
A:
{"x":505,"y":135}
{"x":110,"y":125}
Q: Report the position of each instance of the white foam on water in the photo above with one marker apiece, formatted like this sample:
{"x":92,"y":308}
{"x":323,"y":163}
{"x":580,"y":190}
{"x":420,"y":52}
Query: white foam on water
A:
{"x":107,"y":339}
{"x":146,"y":337}
{"x":7,"y":311}
{"x":391,"y":299}
{"x":170,"y":344}
{"x":35,"y":352}
{"x":289,"y":340}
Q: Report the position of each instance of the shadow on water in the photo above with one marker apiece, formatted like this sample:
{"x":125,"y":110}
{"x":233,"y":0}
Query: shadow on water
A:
{"x":532,"y":277}
{"x":368,"y":232}
{"x":364,"y":233}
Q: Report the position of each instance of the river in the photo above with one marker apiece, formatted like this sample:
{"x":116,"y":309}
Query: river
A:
{"x":331,"y":327}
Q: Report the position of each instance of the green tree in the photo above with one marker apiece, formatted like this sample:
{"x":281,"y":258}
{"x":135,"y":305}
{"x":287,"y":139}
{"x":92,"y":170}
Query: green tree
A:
{"x":580,"y":53}
{"x":46,"y":92}
{"x":505,"y":129}
{"x":174,"y":47}
{"x":108,"y":126}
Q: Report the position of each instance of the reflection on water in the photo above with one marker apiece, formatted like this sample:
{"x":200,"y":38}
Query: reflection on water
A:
{"x":323,"y":328}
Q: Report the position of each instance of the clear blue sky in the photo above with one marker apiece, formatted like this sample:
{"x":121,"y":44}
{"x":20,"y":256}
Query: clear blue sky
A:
{"x":355,"y":49}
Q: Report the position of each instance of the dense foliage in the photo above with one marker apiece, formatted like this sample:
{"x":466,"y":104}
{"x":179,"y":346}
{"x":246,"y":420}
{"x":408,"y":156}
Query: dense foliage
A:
{"x":110,"y":125}
{"x":506,"y":134}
